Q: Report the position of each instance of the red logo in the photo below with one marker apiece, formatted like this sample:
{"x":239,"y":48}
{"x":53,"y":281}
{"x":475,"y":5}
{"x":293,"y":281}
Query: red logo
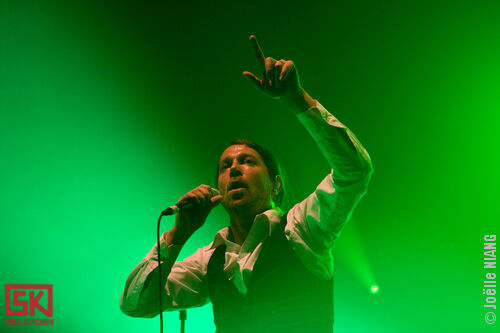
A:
{"x":28,"y":303}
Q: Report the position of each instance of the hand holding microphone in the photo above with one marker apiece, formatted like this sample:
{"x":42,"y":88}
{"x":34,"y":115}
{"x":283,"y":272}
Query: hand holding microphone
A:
{"x":172,"y":210}
{"x":192,"y":210}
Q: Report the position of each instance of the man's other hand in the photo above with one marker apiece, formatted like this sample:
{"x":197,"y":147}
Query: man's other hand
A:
{"x":279,"y":80}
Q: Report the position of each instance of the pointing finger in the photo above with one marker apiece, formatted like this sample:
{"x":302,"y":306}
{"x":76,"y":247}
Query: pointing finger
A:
{"x":258,"y":50}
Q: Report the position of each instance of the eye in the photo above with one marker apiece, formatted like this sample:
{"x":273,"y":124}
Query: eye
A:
{"x":249,"y":161}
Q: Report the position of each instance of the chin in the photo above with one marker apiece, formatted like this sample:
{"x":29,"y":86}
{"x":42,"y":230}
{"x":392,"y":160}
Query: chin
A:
{"x":236,"y":203}
{"x":231,"y":203}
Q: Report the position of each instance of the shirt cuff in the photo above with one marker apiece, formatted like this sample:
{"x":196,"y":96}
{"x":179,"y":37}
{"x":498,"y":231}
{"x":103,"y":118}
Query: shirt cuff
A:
{"x":311,"y":116}
{"x":166,"y":251}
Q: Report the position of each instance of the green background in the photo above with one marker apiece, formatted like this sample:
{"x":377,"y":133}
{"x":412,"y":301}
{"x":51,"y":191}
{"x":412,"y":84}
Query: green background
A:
{"x":110,"y":111}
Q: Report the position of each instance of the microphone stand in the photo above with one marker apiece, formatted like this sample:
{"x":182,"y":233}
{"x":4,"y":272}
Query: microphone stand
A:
{"x":182,"y":318}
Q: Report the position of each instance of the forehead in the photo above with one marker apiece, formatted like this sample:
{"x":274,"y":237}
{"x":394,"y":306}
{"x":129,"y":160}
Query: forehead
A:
{"x":235,"y":151}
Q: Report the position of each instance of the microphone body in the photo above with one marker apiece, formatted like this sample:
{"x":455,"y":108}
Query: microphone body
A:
{"x":172,"y":210}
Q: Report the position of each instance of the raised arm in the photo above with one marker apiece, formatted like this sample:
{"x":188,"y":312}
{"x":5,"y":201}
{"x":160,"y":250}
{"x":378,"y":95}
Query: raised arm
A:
{"x":314,"y":224}
{"x":280,"y":80}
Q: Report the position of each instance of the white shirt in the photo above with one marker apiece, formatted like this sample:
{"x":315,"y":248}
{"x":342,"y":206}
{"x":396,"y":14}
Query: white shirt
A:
{"x":312,"y":227}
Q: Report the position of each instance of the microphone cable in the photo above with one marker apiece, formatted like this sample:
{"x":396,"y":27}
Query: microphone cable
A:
{"x":172,"y":210}
{"x":182,"y":313}
{"x":160,"y":284}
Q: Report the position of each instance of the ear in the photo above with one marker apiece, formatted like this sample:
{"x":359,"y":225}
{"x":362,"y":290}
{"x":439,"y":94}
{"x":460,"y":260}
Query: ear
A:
{"x":277,"y":185}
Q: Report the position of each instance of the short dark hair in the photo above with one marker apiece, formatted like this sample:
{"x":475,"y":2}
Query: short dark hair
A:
{"x":271,"y":162}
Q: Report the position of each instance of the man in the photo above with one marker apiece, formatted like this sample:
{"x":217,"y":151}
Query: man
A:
{"x":269,"y":271}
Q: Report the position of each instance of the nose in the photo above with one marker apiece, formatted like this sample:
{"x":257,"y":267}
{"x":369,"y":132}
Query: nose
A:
{"x":235,"y":169}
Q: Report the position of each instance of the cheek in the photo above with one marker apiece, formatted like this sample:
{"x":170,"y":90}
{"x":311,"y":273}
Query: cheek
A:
{"x":222,"y":183}
{"x":265,"y":184}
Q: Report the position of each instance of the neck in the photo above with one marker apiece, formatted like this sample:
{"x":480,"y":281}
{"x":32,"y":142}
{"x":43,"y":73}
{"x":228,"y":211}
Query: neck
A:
{"x":241,"y":223}
{"x":240,"y":227}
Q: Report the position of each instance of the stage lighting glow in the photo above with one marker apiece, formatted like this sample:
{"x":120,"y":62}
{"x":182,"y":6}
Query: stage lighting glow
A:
{"x":374,"y":289}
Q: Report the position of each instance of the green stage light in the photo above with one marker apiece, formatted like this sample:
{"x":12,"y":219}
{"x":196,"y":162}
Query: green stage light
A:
{"x":350,"y":251}
{"x":374,"y":289}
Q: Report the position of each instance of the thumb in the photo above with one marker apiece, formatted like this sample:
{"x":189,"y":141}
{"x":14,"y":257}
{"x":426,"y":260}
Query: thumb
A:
{"x":253,"y":78}
{"x":215,"y":200}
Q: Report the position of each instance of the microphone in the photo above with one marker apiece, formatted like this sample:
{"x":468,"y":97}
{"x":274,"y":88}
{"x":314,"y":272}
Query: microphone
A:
{"x":172,"y":210}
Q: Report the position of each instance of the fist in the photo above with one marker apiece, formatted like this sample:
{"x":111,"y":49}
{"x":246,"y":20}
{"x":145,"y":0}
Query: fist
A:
{"x":190,"y":219}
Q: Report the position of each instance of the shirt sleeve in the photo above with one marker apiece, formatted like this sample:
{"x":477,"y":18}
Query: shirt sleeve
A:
{"x":314,"y":224}
{"x":184,"y":283}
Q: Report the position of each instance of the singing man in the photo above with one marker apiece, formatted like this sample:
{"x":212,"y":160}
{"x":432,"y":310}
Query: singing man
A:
{"x":269,"y":270}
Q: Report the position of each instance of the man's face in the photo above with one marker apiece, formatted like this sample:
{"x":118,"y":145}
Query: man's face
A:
{"x":244,"y":181}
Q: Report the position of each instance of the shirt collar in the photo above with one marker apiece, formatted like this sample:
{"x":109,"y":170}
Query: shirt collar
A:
{"x":269,"y":219}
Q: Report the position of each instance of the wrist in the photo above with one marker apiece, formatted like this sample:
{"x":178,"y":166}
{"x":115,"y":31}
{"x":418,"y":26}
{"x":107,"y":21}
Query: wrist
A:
{"x":298,"y":100}
{"x":177,"y":236}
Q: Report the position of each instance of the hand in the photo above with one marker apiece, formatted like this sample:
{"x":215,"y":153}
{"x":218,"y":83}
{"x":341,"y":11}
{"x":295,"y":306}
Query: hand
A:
{"x":187,"y":221}
{"x":279,"y":77}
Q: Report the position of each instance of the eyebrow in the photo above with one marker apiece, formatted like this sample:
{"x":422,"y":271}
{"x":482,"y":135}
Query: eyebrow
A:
{"x":240,"y":156}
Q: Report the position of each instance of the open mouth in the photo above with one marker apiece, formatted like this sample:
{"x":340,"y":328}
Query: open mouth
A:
{"x":237,"y":185}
